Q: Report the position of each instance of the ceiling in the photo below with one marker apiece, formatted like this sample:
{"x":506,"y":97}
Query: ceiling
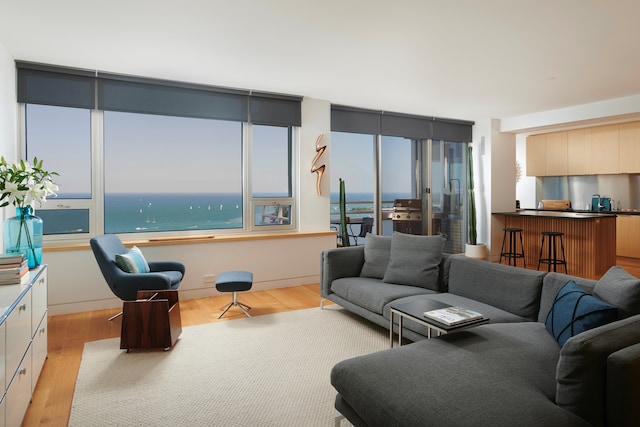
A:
{"x":465,"y":59}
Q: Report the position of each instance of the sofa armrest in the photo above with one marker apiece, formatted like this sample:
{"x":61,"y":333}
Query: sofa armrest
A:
{"x":337,"y":263}
{"x":623,"y":387}
{"x":585,"y":363}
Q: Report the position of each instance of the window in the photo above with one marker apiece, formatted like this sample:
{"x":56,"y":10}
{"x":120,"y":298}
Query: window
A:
{"x":271,"y":161}
{"x":396,"y":157}
{"x":62,"y":136}
{"x":164,"y":173}
{"x":271,"y":183}
{"x":138,"y":155}
{"x":352,"y":159}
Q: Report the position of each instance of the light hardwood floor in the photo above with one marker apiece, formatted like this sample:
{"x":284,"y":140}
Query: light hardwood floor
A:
{"x":51,"y":403}
{"x":67,"y":334}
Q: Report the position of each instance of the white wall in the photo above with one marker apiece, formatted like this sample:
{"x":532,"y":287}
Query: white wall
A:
{"x":8,"y":122}
{"x":526,"y":188}
{"x":494,"y":167}
{"x":316,"y":121}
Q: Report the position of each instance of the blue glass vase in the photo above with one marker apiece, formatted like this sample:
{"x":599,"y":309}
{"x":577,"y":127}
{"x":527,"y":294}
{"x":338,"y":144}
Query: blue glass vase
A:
{"x":23,"y":234}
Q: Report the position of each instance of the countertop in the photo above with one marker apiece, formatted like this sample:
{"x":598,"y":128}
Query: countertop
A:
{"x":560,"y":214}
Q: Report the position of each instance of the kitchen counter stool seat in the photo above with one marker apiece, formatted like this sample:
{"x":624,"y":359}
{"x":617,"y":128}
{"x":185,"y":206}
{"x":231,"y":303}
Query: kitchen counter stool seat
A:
{"x":235,"y":281}
{"x":510,"y":237}
{"x":552,"y":238}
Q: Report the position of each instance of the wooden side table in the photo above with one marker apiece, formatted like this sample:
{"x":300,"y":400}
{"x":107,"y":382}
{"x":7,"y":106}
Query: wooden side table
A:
{"x":152,"y":321}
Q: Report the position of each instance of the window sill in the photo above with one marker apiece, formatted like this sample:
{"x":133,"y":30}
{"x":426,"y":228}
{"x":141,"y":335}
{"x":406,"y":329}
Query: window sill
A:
{"x":189,"y":240}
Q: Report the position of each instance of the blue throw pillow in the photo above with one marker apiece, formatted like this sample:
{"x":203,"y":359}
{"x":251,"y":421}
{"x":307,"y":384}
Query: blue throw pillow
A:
{"x":133,"y":261}
{"x":575,"y":311}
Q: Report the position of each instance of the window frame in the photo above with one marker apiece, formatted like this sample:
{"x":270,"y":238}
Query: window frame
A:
{"x":95,"y":204}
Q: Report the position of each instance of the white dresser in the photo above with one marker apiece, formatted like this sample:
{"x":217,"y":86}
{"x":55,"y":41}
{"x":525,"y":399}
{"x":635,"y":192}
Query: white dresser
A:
{"x":23,"y":344}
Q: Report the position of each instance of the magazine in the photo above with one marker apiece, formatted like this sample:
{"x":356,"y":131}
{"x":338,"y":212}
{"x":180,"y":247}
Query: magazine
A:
{"x":453,"y":315}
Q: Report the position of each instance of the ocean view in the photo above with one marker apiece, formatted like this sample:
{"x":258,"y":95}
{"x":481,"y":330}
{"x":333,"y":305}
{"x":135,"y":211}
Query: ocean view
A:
{"x":151,"y":212}
{"x":139,"y":213}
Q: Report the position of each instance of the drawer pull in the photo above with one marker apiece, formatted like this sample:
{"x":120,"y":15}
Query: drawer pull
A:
{"x":42,"y":330}
{"x":23,"y":307}
{"x":23,"y":371}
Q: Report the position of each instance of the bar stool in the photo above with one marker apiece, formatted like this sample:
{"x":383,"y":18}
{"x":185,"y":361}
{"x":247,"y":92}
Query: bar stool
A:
{"x":552,"y":238}
{"x":511,"y":253}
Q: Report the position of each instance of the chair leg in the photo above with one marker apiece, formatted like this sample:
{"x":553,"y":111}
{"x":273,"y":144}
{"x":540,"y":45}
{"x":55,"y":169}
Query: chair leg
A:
{"x":524,"y":262}
{"x":244,"y":307}
{"x":114,"y":316}
{"x":225,"y":309}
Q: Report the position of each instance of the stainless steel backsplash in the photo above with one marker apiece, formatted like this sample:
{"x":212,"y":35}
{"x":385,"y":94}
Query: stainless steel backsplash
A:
{"x":624,"y":190}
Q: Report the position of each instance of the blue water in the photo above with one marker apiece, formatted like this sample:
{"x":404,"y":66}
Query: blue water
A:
{"x":140,"y":213}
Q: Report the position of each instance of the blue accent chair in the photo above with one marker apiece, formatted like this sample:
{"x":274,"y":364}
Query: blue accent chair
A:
{"x":163,"y":275}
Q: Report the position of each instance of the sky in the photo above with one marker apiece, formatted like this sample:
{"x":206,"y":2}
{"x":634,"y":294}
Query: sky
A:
{"x":150,"y":153}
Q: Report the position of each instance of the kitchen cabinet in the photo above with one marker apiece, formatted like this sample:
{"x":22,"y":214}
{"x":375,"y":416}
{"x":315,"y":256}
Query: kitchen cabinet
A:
{"x":604,"y":150}
{"x":628,"y":236}
{"x":547,"y":154}
{"x":23,"y":321}
{"x":537,"y":155}
{"x":629,"y":147}
{"x":556,"y":153}
{"x":579,"y":152}
{"x":600,"y":150}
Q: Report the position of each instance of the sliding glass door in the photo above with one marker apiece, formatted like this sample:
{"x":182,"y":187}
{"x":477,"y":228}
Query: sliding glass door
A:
{"x":448,"y":190}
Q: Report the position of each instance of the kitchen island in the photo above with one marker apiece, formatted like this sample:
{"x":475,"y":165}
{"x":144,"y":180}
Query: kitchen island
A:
{"x":589,"y":238}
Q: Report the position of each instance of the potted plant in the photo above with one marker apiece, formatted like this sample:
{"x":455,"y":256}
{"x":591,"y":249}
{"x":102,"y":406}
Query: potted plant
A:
{"x":472,"y":248}
{"x":24,"y":185}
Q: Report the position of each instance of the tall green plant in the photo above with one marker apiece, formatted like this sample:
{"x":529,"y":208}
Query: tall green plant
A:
{"x":473,"y":232}
{"x":344,"y":234}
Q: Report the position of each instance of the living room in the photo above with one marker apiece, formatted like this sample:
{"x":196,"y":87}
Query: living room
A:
{"x":549,"y":99}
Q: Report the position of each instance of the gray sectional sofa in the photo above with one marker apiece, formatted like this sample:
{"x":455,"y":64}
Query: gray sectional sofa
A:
{"x":510,"y":372}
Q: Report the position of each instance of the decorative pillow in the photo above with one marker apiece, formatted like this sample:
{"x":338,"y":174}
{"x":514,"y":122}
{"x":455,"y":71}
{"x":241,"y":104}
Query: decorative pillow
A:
{"x":377,"y":250}
{"x":619,"y":288}
{"x":575,"y":311}
{"x":415,"y":260}
{"x":133,"y":261}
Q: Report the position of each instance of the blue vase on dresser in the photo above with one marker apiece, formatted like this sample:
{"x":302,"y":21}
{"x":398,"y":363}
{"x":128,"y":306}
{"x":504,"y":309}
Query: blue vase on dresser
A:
{"x":23,"y":234}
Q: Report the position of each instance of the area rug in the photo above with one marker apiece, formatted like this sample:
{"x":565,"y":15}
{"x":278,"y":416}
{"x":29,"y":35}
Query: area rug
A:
{"x":270,"y":370}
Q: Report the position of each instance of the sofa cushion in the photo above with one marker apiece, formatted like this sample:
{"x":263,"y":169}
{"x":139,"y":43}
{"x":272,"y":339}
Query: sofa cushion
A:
{"x":377,"y":250}
{"x":498,"y":375}
{"x":372,"y":294}
{"x":513,"y":289}
{"x":582,"y":368}
{"x":132,"y":261}
{"x":619,"y":288}
{"x":414,"y":260}
{"x":575,"y":311}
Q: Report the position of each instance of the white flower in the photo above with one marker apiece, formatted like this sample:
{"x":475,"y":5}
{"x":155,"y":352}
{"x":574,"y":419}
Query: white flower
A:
{"x":50,"y":188}
{"x":22,"y":184}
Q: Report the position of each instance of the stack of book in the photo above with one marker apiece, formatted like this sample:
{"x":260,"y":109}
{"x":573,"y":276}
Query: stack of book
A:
{"x":452,"y":316}
{"x":13,"y":269}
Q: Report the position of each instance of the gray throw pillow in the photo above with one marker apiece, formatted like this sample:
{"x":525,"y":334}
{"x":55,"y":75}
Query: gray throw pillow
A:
{"x":619,"y":288}
{"x":415,"y":260}
{"x":377,"y":250}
